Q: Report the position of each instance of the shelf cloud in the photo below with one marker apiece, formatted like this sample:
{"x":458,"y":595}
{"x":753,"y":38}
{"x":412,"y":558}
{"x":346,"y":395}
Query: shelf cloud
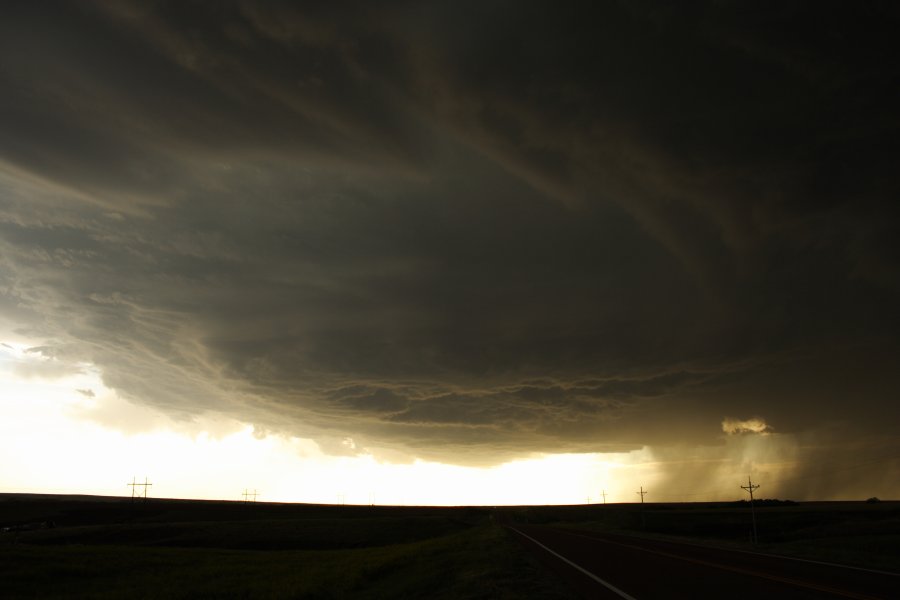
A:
{"x":469,"y":233}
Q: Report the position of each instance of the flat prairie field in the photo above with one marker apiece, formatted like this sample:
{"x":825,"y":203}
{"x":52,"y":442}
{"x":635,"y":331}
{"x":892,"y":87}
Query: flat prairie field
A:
{"x":113,"y":548}
{"x":99,"y":547}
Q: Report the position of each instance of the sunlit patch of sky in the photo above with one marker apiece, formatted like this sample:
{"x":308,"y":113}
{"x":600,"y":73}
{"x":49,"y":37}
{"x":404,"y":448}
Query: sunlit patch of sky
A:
{"x":57,"y":439}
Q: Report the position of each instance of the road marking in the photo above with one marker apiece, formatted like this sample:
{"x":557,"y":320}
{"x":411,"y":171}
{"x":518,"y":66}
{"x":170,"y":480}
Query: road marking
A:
{"x":752,"y":553}
{"x":787,"y":580}
{"x":605,"y":584}
{"x":809,"y":560}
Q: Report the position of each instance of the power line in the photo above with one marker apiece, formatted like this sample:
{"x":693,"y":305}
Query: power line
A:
{"x":750,"y":487}
{"x":782,"y":479}
{"x":643,"y":518}
{"x":134,"y":485}
{"x":642,"y":492}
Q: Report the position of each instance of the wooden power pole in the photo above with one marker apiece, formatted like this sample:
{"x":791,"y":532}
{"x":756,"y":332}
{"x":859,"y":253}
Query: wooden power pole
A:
{"x":750,"y":487}
{"x":134,"y":485}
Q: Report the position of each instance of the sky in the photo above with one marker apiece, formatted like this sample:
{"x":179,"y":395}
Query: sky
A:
{"x":450,"y":253}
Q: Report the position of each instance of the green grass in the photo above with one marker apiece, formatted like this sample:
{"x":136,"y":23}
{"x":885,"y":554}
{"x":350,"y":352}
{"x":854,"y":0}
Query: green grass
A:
{"x":204,"y":549}
{"x":269,"y":534}
{"x":479,"y":562}
{"x":111,"y":548}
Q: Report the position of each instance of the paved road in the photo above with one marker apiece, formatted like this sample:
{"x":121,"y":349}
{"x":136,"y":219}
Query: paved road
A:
{"x":617,"y":566}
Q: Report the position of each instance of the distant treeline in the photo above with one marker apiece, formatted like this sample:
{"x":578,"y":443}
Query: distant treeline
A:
{"x":766,"y":502}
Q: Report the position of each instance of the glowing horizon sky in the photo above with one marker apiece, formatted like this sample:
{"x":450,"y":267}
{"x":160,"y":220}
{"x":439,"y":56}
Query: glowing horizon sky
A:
{"x":105,"y":438}
{"x":83,"y":439}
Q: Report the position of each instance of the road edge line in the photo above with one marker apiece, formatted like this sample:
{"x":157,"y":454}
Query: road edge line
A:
{"x":739,"y":550}
{"x":605,"y":584}
{"x":741,"y":570}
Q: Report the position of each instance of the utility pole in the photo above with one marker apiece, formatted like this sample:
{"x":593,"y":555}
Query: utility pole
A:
{"x":134,"y":485}
{"x":750,"y":487}
{"x":604,"y":496}
{"x":248,"y":495}
{"x":643,"y":518}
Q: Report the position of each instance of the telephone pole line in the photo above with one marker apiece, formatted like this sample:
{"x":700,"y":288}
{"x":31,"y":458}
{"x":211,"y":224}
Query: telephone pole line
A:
{"x":643,"y":518}
{"x":604,"y":496}
{"x":750,"y":487}
{"x":134,"y":485}
{"x":642,"y":492}
{"x":248,"y":495}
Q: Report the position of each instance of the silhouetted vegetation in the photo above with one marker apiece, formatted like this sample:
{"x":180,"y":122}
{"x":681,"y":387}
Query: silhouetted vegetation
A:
{"x":765,"y":502}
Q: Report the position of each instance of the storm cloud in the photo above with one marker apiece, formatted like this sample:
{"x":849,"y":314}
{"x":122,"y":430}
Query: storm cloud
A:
{"x":467,"y":231}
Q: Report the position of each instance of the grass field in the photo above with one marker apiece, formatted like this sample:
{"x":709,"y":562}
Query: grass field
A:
{"x":477,"y":563}
{"x":110,"y":548}
{"x":170,"y":549}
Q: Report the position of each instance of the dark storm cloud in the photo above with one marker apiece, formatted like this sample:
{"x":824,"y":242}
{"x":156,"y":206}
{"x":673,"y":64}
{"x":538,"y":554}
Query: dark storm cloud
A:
{"x":473,"y":232}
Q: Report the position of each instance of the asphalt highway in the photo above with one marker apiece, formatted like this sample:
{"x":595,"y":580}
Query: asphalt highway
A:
{"x":617,"y":566}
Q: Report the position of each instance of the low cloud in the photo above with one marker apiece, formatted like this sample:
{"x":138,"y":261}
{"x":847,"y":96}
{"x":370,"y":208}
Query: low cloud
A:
{"x":42,"y":367}
{"x":752,"y":425}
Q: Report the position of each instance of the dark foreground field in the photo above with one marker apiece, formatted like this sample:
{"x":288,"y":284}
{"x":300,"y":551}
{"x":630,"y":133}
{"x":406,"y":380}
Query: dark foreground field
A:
{"x":189,"y":549}
{"x":861,"y":534}
{"x":109,"y":547}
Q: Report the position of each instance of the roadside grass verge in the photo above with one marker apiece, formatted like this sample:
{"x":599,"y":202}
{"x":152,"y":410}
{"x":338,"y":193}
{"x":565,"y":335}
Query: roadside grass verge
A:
{"x":480,"y":562}
{"x":861,"y":538}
